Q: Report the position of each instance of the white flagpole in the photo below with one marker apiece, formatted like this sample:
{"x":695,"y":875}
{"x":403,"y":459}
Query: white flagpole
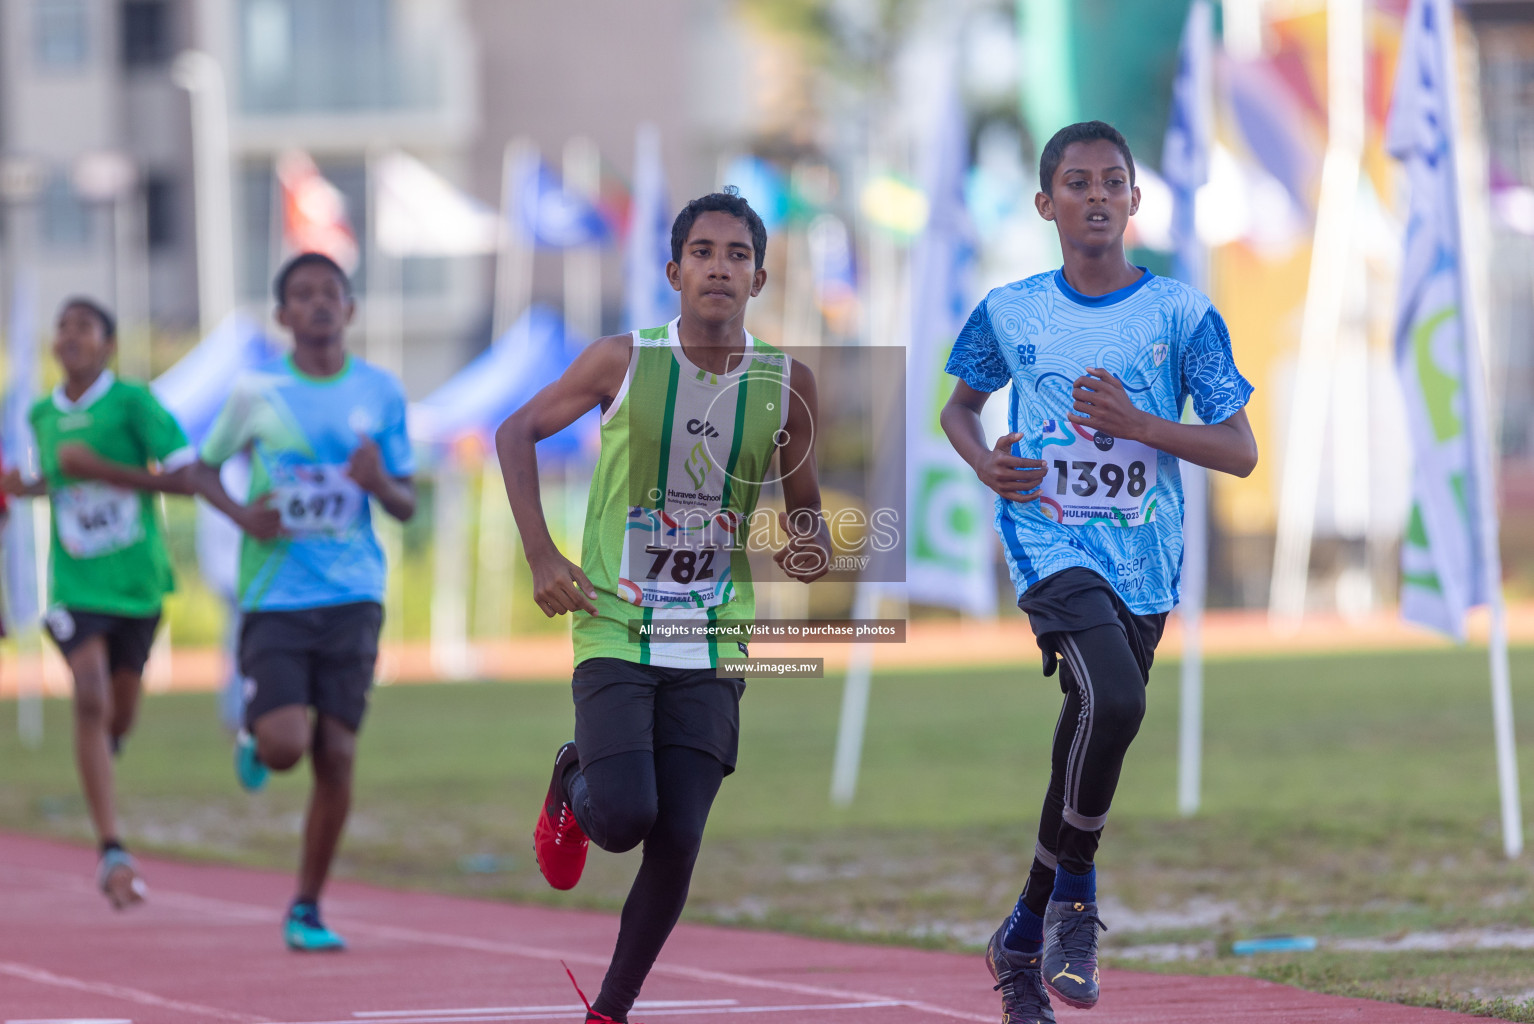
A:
{"x":450,"y":653}
{"x":583,"y":263}
{"x":1185,"y":163}
{"x":201,"y":75}
{"x":1483,"y":440}
{"x":1324,"y":295}
{"x":1190,"y":733}
{"x":514,"y":255}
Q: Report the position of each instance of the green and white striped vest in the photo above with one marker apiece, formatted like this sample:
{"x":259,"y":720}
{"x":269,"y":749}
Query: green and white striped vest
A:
{"x":684,"y":455}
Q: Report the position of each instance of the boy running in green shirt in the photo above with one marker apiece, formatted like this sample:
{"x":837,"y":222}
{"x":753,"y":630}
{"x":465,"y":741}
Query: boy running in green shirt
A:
{"x":97,"y":438}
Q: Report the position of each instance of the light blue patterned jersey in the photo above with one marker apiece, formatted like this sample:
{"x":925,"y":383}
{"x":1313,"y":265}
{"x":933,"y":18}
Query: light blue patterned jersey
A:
{"x":1108,"y":505}
{"x":300,"y":432}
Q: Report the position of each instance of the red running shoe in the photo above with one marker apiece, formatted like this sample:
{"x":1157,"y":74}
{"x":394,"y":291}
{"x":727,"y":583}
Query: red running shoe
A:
{"x":558,"y":842}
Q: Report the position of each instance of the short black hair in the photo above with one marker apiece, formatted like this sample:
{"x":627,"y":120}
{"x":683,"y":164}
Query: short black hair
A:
{"x":95,"y":309}
{"x":729,"y":201}
{"x":308,"y":259}
{"x":1081,"y":131}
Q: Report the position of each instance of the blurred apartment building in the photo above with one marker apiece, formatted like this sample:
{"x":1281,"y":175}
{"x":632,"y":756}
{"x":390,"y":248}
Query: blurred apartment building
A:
{"x":96,"y":135}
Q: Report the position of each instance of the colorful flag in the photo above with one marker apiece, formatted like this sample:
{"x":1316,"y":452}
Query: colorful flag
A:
{"x":833,"y":272}
{"x":950,"y":545}
{"x":648,"y":298}
{"x":420,"y":213}
{"x":314,"y":211}
{"x":553,"y":216}
{"x":1189,"y":134}
{"x":1444,"y":563}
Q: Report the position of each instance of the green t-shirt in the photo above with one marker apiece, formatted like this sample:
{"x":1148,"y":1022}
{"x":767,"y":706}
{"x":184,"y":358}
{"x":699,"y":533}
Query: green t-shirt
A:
{"x":107,"y":555}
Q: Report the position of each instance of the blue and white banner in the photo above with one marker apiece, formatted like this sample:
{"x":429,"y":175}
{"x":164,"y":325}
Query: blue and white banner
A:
{"x":648,"y":298}
{"x":1189,"y":136}
{"x":950,"y":550}
{"x":1444,"y":570}
{"x":23,"y":603}
{"x":553,"y":216}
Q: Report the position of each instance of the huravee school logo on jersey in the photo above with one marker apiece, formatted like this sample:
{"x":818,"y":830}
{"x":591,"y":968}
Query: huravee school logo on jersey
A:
{"x":699,"y":465}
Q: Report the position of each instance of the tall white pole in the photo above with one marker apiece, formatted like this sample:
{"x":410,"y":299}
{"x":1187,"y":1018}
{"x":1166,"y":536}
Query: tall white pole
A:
{"x":856,"y":691}
{"x":1195,"y":560}
{"x":201,"y":76}
{"x":1324,"y":294}
{"x":496,"y":563}
{"x":583,"y":263}
{"x":450,"y":653}
{"x":1483,"y":440}
{"x":514,"y":254}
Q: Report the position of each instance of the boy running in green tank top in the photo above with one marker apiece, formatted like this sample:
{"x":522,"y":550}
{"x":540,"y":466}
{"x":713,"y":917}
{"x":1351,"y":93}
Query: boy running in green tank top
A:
{"x":692,"y":415}
{"x":108,"y":570}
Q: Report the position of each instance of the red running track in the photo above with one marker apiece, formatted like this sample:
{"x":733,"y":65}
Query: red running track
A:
{"x":207,"y":948}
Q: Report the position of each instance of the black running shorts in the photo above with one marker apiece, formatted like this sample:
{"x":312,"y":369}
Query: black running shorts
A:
{"x":622,"y":706}
{"x":128,"y":637}
{"x":319,"y":657}
{"x":1075,"y":599}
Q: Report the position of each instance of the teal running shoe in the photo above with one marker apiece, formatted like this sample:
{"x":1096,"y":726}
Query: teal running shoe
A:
{"x":304,"y":932}
{"x":118,"y":879}
{"x":247,"y":766}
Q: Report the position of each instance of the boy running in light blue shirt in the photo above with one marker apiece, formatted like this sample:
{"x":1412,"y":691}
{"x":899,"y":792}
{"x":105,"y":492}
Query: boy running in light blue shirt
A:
{"x":1101,"y":356}
{"x":326,"y":435}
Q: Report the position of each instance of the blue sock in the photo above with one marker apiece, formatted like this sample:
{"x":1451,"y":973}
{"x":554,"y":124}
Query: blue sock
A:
{"x":1024,"y":931}
{"x":1071,"y":888}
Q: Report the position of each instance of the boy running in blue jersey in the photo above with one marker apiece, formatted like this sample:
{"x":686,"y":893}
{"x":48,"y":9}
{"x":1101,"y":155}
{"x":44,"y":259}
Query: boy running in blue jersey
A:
{"x":1100,"y":355}
{"x":326,"y":435}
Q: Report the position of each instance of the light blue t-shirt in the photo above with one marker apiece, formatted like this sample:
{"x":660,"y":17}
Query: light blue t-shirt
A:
{"x":300,"y":432}
{"x":1106,"y":504}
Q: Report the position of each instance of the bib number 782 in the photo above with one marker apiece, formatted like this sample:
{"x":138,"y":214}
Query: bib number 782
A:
{"x":1089,"y":475}
{"x":687,"y":565}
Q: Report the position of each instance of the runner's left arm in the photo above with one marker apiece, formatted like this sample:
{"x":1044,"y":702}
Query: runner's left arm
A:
{"x":1207,"y":375}
{"x":807,"y":556}
{"x":382,"y":464}
{"x":1103,"y":404}
{"x":395,"y":493}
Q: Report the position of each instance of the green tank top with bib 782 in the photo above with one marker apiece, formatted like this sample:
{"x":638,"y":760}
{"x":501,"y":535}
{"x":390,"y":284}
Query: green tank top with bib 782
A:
{"x":685,"y":452}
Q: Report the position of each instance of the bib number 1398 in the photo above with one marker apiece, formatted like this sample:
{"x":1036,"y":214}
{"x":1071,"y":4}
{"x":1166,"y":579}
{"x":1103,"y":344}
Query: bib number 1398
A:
{"x":1083,"y":477}
{"x":1093,"y":478}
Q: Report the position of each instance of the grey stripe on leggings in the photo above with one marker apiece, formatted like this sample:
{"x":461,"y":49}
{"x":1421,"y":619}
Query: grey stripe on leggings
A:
{"x":1074,"y":764}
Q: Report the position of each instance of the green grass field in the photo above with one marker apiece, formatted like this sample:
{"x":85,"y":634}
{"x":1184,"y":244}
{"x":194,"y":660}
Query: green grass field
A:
{"x":1347,"y":797}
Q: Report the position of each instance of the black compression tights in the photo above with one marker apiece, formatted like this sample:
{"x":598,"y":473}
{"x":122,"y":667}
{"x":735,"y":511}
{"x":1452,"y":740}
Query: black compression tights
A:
{"x":1104,"y":703}
{"x":660,"y":799}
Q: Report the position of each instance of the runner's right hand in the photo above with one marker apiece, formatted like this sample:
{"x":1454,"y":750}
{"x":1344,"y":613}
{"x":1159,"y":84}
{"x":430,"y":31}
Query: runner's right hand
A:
{"x":12,"y":483}
{"x":260,"y":520}
{"x":1008,"y":475}
{"x":559,"y":586}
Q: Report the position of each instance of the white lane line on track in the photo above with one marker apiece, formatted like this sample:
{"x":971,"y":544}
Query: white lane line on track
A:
{"x":641,"y":1006}
{"x":673,"y":970}
{"x":101,"y":988}
{"x":73,"y":1020}
{"x":578,"y":1011}
{"x":256,"y":912}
